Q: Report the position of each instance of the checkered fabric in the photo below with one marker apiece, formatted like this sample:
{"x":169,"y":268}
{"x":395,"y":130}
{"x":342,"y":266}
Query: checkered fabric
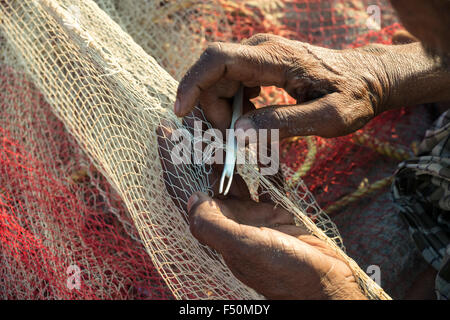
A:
{"x":422,"y":191}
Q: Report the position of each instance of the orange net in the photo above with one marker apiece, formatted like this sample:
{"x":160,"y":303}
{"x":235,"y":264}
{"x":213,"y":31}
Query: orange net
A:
{"x":56,"y":210}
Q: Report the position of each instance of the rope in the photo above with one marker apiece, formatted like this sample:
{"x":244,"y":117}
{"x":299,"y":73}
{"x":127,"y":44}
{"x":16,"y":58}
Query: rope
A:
{"x":383,"y":148}
{"x":360,"y":138}
{"x":359,"y":193}
{"x":309,"y":160}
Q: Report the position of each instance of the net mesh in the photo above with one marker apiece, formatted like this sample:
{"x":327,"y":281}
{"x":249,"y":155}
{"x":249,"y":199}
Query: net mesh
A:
{"x":86,"y":88}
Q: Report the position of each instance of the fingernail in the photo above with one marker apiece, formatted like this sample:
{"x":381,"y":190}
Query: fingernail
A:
{"x":192,"y":201}
{"x":177,"y":107}
{"x":244,"y":124}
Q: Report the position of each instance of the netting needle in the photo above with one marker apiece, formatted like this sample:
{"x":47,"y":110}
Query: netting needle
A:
{"x":231,"y":147}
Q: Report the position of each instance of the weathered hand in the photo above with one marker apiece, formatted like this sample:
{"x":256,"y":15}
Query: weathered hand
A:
{"x":265,"y":250}
{"x":337,"y":91}
{"x":260,"y":243}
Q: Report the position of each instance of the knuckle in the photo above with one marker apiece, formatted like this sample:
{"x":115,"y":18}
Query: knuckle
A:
{"x":182,"y":86}
{"x":258,"y":38}
{"x":284,"y":118}
{"x":337,"y":119}
{"x":277,"y":117}
{"x":198,"y":217}
{"x":352,"y":118}
{"x":214,"y":50}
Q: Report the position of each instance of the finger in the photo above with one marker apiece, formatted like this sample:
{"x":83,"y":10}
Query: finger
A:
{"x":330,"y":116}
{"x":250,"y":252}
{"x":217,"y":110}
{"x":216,"y":105}
{"x":209,"y":226}
{"x":260,"y":38}
{"x":189,"y":121}
{"x":403,"y":37}
{"x":292,"y":230}
{"x":251,"y":65}
{"x":257,"y":214}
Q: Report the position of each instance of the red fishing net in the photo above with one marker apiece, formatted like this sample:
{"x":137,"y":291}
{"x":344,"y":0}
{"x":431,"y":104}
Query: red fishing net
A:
{"x":57,"y":211}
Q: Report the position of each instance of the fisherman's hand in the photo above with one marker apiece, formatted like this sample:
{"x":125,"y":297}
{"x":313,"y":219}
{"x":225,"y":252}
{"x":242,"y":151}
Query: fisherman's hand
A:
{"x":259,"y":242}
{"x":264,"y":249}
{"x":337,"y":91}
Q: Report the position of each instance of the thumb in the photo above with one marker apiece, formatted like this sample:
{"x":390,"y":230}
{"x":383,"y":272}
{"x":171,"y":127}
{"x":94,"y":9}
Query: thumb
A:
{"x":327,"y":117}
{"x":209,"y":226}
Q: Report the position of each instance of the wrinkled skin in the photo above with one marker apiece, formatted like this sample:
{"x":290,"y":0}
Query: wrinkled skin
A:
{"x":265,"y":250}
{"x":337,"y":92}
